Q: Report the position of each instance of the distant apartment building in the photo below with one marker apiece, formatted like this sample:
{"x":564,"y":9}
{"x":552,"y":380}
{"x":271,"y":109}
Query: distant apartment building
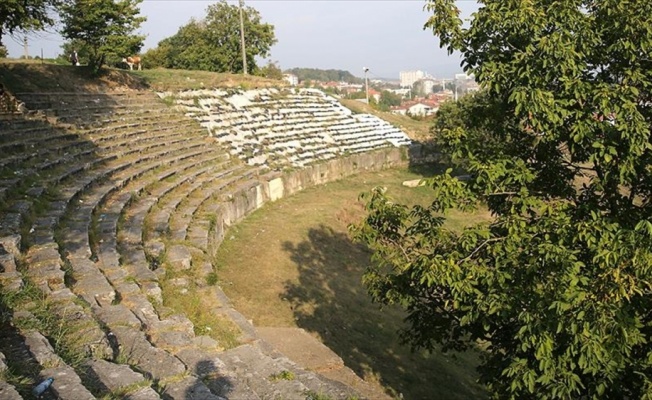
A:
{"x":292,"y":79}
{"x":409,"y":77}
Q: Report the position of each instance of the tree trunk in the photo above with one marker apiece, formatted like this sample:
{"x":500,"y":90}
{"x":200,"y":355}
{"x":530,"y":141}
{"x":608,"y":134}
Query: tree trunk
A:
{"x":3,"y":50}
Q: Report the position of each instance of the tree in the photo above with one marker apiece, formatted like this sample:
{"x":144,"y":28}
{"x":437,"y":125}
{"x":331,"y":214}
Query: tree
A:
{"x":325,"y":75}
{"x":559,"y":284}
{"x":418,"y":88}
{"x":271,"y":71}
{"x":213,"y":44}
{"x":25,"y":15}
{"x":386,"y":101}
{"x":105,"y":27}
{"x":390,"y":99}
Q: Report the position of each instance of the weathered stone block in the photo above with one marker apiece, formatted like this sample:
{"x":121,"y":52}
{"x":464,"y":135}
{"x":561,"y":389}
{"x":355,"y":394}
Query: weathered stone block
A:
{"x":11,"y":281}
{"x":113,"y":376}
{"x":7,"y":262}
{"x":67,"y":384}
{"x":46,"y":254}
{"x":41,"y":350}
{"x":8,"y":392}
{"x":117,"y":315}
{"x":154,"y":362}
{"x":179,"y":257}
{"x":153,"y":290}
{"x":172,"y":340}
{"x":202,"y":363}
{"x":155,"y":248}
{"x":189,"y":388}
{"x":11,"y":244}
{"x":146,"y":393}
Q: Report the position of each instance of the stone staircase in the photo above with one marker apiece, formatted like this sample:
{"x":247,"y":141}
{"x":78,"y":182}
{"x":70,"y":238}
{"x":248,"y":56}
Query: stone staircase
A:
{"x":103,"y":198}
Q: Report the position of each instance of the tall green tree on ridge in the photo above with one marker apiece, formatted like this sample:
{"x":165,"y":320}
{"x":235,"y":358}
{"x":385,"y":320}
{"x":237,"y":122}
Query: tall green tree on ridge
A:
{"x":106,"y":27}
{"x":213,"y":43}
{"x":559,"y":285}
{"x":26,"y":15}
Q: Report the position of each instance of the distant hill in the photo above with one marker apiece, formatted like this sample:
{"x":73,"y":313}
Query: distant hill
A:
{"x":324,"y":75}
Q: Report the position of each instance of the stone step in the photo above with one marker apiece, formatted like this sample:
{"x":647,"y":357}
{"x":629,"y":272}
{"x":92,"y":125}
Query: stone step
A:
{"x":90,"y":284}
{"x":136,"y":350}
{"x":119,"y":379}
{"x":167,"y":206}
{"x":71,"y":191}
{"x":251,"y":372}
{"x":81,"y":214}
{"x":67,"y":384}
{"x":163,"y":184}
{"x":189,"y":387}
{"x":305,"y":350}
{"x":181,"y":220}
{"x":124,"y":130}
{"x":7,"y":391}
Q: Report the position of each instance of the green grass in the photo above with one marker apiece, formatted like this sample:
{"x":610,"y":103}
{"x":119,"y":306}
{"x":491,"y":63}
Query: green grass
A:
{"x":292,"y":264}
{"x":282,"y":376}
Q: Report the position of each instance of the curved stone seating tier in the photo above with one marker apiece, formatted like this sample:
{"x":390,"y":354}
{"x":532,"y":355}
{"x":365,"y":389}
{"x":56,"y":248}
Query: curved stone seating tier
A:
{"x":102,"y":193}
{"x":270,"y":127}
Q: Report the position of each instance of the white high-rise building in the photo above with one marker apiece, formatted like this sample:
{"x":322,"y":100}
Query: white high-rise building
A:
{"x":409,"y":77}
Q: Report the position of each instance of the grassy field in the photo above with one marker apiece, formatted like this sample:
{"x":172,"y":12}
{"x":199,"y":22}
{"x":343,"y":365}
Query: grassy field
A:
{"x":292,"y":264}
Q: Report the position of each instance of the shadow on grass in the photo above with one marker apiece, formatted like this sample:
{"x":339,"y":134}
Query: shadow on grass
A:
{"x":329,"y":299}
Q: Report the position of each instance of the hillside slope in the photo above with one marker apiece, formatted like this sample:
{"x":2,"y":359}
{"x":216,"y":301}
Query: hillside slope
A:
{"x":36,"y":77}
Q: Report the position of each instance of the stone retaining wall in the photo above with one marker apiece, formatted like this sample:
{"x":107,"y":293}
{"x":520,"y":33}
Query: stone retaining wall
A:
{"x":275,"y":186}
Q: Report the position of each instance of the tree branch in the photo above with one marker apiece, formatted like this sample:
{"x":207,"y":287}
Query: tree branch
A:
{"x":480,"y":247}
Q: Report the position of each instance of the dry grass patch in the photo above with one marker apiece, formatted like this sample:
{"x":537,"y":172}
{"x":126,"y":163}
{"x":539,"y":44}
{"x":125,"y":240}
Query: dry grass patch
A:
{"x":292,"y":264}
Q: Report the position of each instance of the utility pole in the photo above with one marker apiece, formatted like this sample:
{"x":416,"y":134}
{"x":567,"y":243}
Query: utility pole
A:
{"x":242,"y":40}
{"x":25,"y":47}
{"x":366,"y":83}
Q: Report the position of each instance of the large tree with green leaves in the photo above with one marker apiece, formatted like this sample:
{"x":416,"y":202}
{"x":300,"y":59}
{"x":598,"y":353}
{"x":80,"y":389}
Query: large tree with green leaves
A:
{"x":213,"y":43}
{"x":558,"y":287}
{"x":105,"y":27}
{"x":26,"y":15}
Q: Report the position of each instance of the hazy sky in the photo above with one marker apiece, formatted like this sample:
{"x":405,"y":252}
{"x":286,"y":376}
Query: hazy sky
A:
{"x":387,"y":36}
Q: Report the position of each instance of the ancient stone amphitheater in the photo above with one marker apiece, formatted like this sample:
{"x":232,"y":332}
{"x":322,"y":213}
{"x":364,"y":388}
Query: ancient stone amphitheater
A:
{"x":102,"y":193}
